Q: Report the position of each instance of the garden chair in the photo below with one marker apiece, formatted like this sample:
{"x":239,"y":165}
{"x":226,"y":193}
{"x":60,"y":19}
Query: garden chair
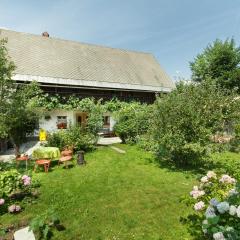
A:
{"x":42,"y":162}
{"x":22,"y":158}
{"x":66,"y":156}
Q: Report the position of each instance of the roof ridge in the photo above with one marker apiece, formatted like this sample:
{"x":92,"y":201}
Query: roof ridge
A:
{"x":75,"y":41}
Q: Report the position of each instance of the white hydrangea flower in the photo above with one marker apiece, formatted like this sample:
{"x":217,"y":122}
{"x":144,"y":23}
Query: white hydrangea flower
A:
{"x":218,"y":236}
{"x":223,"y":207}
{"x":232,"y":192}
{"x":232,"y":210}
{"x":211,"y":174}
{"x":204,"y":179}
{"x":205,"y":222}
{"x":229,"y":229}
{"x":238,"y":211}
{"x":195,"y":188}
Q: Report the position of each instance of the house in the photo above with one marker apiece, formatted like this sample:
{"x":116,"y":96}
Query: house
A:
{"x":85,"y":70}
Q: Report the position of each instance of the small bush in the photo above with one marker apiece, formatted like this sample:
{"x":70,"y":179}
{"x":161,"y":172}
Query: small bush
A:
{"x":58,"y":139}
{"x":44,"y":224}
{"x":227,"y":162}
{"x":235,"y":144}
{"x":193,"y":152}
{"x":74,"y":137}
{"x":132,"y":120}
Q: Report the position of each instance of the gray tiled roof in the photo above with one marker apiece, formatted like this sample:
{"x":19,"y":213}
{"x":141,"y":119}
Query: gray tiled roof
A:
{"x":56,"y":58}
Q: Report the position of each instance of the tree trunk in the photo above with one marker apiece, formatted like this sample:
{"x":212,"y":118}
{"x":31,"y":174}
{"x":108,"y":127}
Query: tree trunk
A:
{"x":16,"y":147}
{"x":17,"y":150}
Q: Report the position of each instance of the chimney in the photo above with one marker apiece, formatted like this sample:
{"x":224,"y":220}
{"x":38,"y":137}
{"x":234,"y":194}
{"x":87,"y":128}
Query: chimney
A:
{"x":45,"y":34}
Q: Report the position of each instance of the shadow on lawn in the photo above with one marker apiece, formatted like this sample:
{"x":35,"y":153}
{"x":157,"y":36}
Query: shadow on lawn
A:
{"x":199,"y":169}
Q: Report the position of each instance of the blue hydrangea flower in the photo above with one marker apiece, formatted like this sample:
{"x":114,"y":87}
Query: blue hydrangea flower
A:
{"x":210,"y":212}
{"x":214,"y":202}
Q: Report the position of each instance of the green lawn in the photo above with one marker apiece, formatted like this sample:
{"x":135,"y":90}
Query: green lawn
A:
{"x":115,"y":196}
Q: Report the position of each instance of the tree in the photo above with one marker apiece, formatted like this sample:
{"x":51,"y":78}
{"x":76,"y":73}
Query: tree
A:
{"x":22,"y":114}
{"x":219,"y":61}
{"x":18,"y":115}
{"x":6,"y":86}
{"x":185,"y":120}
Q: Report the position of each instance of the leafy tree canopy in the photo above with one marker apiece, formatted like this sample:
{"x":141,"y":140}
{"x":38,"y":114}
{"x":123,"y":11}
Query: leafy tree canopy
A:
{"x":187,"y":118}
{"x":219,"y":61}
{"x":18,"y":115}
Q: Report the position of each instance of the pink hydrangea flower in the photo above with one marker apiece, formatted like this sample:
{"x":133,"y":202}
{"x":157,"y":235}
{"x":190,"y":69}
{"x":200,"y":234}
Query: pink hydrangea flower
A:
{"x":227,"y":179}
{"x":199,"y":206}
{"x":14,"y":208}
{"x":196,"y":193}
{"x":26,"y":180}
{"x":2,"y":201}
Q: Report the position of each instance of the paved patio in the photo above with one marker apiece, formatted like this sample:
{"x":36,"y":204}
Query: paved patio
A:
{"x":108,"y":141}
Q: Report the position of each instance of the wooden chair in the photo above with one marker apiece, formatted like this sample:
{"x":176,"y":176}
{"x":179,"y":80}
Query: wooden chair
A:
{"x":22,"y":158}
{"x":42,"y":162}
{"x":66,"y":156}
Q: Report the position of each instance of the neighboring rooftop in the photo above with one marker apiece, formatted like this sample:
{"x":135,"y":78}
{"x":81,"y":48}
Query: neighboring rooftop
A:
{"x":58,"y":61}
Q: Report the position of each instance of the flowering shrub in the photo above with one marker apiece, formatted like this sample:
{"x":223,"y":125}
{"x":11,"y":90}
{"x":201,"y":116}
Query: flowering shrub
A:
{"x":11,"y":184}
{"x":216,"y":205}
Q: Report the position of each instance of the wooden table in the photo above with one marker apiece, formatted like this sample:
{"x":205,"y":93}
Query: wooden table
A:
{"x":52,"y":153}
{"x":44,"y":155}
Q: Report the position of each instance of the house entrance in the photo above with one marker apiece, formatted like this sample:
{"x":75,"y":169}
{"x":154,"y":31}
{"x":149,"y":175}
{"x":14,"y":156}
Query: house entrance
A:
{"x":81,"y":119}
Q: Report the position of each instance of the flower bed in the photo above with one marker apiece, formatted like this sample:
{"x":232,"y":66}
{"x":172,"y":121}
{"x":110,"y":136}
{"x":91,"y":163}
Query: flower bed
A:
{"x":216,"y":204}
{"x":14,"y":187}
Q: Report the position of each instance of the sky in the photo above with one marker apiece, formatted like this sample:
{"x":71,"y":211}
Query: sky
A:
{"x":174,"y":31}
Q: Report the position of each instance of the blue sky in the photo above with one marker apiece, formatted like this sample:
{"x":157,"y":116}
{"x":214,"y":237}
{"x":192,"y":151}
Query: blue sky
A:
{"x":173,"y":30}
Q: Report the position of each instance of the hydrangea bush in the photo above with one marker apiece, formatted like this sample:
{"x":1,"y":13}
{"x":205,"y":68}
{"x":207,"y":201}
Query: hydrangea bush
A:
{"x":216,"y":206}
{"x":11,"y":184}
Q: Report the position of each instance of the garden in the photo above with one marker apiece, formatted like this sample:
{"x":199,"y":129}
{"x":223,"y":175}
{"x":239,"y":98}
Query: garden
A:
{"x":177,"y":175}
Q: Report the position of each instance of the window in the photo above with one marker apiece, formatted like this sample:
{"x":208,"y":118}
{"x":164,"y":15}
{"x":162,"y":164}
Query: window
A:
{"x":61,"y":122}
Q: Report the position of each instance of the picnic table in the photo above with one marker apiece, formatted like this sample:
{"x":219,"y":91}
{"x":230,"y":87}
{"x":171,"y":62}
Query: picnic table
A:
{"x":52,"y":153}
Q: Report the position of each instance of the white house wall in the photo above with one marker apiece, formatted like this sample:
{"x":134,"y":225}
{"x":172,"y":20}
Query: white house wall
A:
{"x":51,"y":124}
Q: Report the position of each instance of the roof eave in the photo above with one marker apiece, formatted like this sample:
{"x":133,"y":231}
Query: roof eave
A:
{"x":90,"y":84}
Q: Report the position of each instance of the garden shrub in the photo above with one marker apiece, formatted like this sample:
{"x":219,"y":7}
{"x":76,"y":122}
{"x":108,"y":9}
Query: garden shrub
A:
{"x":216,"y":204}
{"x":235,"y":144}
{"x":185,"y":120}
{"x":235,"y":141}
{"x":58,"y":139}
{"x":226,"y":162}
{"x":81,"y":139}
{"x":76,"y":137}
{"x":132,"y":120}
